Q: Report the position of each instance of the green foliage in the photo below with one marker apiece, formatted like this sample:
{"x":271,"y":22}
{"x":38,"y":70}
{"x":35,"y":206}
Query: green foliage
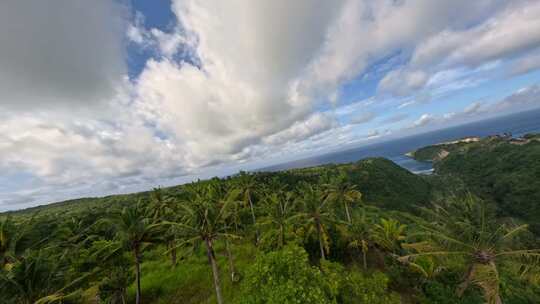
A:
{"x":279,"y":220}
{"x":112,"y":290}
{"x":500,"y":172}
{"x":464,"y":228}
{"x":340,"y":191}
{"x":436,"y":292}
{"x":357,"y":287}
{"x":359,"y":234}
{"x":388,"y":234}
{"x":160,"y":283}
{"x":37,"y":278}
{"x":373,"y":289}
{"x":317,"y":215}
{"x":285,"y":276}
{"x":516,"y":291}
{"x":387,"y":185}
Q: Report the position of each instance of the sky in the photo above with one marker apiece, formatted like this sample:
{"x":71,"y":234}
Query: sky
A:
{"x":114,"y":96}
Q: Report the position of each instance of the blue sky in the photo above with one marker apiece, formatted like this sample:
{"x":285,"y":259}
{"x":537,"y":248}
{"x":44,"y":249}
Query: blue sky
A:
{"x":134,"y":94}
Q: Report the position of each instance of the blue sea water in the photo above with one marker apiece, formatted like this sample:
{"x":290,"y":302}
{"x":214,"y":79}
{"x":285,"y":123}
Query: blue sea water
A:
{"x":395,"y":150}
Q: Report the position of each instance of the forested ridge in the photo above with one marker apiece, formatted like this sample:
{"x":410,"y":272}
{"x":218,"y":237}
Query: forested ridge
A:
{"x":501,"y":170}
{"x":365,"y":232}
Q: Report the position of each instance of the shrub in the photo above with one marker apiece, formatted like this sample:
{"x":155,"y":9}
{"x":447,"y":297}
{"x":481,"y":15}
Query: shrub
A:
{"x":519,"y":291}
{"x":285,"y":276}
{"x":357,"y":287}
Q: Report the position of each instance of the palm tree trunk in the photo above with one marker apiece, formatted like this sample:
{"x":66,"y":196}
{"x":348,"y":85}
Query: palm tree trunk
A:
{"x":173,"y":257}
{"x":170,"y":246}
{"x":137,"y":274}
{"x":215,"y":270}
{"x":365,"y":248}
{"x":231,"y":260}
{"x":364,"y":259}
{"x":319,"y":233}
{"x":347,"y":212}
{"x":281,"y":236}
{"x":496,"y":297}
{"x":254,"y":219}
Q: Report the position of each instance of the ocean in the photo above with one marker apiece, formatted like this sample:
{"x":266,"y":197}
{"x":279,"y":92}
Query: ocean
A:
{"x":516,"y":124}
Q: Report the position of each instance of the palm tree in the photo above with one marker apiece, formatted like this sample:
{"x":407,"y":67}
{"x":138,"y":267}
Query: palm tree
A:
{"x":113,"y":288}
{"x":202,"y":221}
{"x":247,"y":186}
{"x":113,"y":266}
{"x":72,"y":234}
{"x":359,"y":234}
{"x":466,"y":228}
{"x":388,"y":235}
{"x":316,"y":215}
{"x":14,"y":240}
{"x":280,"y":216}
{"x":7,"y":241}
{"x":136,"y":231}
{"x":163,"y":208}
{"x":342,"y":192}
{"x":222,"y":195}
{"x":160,"y":205}
{"x":37,"y":279}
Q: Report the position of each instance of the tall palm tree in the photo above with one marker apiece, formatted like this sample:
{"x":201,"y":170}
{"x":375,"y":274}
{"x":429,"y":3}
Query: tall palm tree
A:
{"x":359,"y":234}
{"x":136,"y":231}
{"x":342,"y":192}
{"x":466,"y":229}
{"x":316,"y":215}
{"x":162,"y":208}
{"x":223,"y":195}
{"x":248,"y":187}
{"x":202,"y":221}
{"x":280,"y":217}
{"x":113,"y":266}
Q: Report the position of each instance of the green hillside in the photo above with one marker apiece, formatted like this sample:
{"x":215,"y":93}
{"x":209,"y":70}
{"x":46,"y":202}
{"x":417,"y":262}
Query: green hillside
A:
{"x":503,"y":171}
{"x":383,"y":184}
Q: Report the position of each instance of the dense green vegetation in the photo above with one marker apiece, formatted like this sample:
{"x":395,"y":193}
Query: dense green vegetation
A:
{"x":366,"y":232}
{"x":502,"y":171}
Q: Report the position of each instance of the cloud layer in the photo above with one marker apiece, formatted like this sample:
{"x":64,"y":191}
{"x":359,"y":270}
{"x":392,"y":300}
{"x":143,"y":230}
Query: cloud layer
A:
{"x":234,"y":83}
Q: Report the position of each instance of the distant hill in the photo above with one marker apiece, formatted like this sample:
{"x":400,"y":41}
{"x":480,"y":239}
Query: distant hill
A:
{"x":440,"y":151}
{"x":388,"y":185}
{"x":382,"y":182}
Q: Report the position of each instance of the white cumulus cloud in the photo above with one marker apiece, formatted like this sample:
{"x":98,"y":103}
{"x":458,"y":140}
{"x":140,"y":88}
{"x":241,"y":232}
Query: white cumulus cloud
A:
{"x":263,"y":79}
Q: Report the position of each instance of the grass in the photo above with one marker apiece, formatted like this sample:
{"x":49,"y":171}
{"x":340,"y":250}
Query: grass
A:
{"x":191,"y":280}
